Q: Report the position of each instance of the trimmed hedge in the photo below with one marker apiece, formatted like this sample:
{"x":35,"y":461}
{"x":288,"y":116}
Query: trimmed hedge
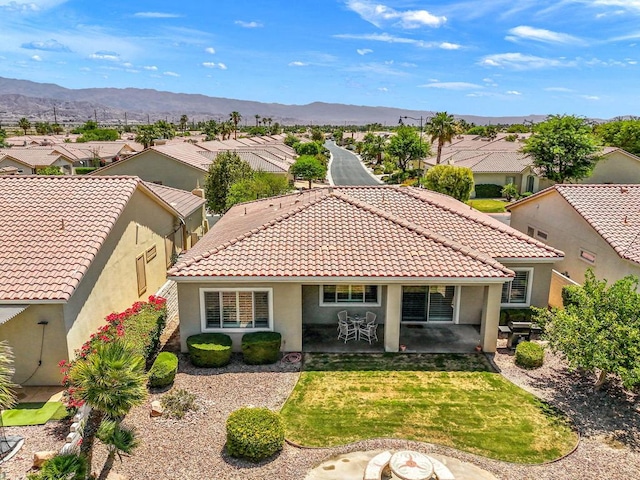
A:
{"x":84,"y":170}
{"x":254,"y":433}
{"x":488,"y":190}
{"x":529,"y":355}
{"x":259,"y":348}
{"x":515,"y":315}
{"x":209,"y":349}
{"x":164,"y":370}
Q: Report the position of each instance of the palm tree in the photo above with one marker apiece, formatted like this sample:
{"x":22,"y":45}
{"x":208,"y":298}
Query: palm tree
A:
{"x":183,"y":122}
{"x":146,"y":135}
{"x":257,"y":119}
{"x":111,"y":381}
{"x":441,"y":127}
{"x":24,"y":124}
{"x":235,"y":118}
{"x":225,"y":130}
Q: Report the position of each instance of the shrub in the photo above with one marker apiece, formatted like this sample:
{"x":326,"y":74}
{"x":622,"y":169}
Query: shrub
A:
{"x":261,"y":347}
{"x":209,"y":349}
{"x":526,"y":194}
{"x":571,"y":295}
{"x":254,"y":433}
{"x":84,"y":170}
{"x":163,"y":370}
{"x":510,"y":191}
{"x":451,"y":180}
{"x":70,"y":466}
{"x":177,"y":403}
{"x":529,"y":355}
{"x":515,"y":315}
{"x":488,"y":190}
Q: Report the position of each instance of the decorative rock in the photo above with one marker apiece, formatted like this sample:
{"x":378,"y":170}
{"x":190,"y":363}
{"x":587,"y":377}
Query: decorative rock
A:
{"x":40,"y":457}
{"x":156,"y":409}
{"x":116,"y":476}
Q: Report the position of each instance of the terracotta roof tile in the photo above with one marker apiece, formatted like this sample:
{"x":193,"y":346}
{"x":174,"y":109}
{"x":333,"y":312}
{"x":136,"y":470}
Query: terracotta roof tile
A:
{"x":184,"y":202}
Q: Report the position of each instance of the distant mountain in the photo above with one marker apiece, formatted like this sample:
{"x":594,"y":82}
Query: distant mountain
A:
{"x":36,"y":101}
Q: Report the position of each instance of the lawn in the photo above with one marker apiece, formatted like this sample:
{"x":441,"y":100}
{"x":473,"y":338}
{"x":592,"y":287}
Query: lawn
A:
{"x":453,"y":400}
{"x":33,"y":414}
{"x":488,"y":205}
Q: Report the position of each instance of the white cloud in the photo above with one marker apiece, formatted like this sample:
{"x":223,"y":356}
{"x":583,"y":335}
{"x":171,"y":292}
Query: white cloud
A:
{"x":385,"y":37}
{"x":26,"y":6}
{"x":152,"y":68}
{"x":558,"y":89}
{"x":210,"y":50}
{"x":85,"y":69}
{"x":36,"y":58}
{"x":451,"y":85}
{"x":513,"y":92}
{"x":248,"y":24}
{"x":364,"y":51}
{"x":127,"y":64}
{"x":383,"y":89}
{"x":298,"y":64}
{"x":47,"y":45}
{"x":449,"y":46}
{"x":221,"y":66}
{"x":519,"y":61}
{"x":384,"y":68}
{"x":156,"y":15}
{"x":542,"y":35}
{"x":380,"y":15}
{"x":171,"y":74}
{"x":593,"y":98}
{"x":104,"y":55}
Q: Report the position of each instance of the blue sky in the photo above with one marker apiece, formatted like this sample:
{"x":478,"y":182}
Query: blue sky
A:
{"x":483,"y":57}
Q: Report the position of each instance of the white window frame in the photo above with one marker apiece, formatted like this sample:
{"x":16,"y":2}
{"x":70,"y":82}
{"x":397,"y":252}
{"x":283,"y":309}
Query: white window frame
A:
{"x":203,"y":313}
{"x":527,"y":303}
{"x":377,"y":303}
{"x":588,"y":252}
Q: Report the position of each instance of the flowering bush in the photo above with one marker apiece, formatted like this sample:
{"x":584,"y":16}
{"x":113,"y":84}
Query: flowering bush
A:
{"x":139,"y":325}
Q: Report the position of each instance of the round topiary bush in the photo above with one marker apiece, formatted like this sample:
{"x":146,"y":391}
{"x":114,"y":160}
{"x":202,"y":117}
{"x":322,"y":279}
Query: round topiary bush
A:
{"x":209,"y":349}
{"x":259,"y":348}
{"x":163,"y":370}
{"x":254,"y":433}
{"x":529,"y":355}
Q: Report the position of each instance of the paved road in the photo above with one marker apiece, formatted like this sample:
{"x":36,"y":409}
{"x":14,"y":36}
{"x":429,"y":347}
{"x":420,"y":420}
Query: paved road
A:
{"x":346,"y":169}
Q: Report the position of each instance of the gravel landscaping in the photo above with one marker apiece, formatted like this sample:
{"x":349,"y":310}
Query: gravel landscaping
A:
{"x":193,"y":448}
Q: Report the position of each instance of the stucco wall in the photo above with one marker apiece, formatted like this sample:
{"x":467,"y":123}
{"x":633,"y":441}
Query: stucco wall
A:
{"x":7,"y":162}
{"x":312,"y":312}
{"x":154,"y":167}
{"x":496,"y":178}
{"x":615,"y":168}
{"x":569,"y":232}
{"x":471,"y":299}
{"x":541,"y":281}
{"x":194,"y":223}
{"x":25,"y":338}
{"x":110,"y":284}
{"x":287,"y":311}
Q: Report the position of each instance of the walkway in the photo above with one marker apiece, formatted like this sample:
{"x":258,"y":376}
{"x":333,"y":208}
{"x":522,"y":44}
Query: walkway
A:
{"x":346,"y":168}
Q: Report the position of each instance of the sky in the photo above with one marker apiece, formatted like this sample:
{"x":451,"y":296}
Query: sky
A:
{"x":477,"y":57}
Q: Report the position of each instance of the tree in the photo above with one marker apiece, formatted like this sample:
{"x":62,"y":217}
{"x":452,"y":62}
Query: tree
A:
{"x":50,"y":170}
{"x":373,"y":148}
{"x":308,"y":168}
{"x":146,"y":135}
{"x":111,"y":380}
{"x":227,"y":169}
{"x":57,"y":128}
{"x":257,"y":119}
{"x":211,"y":130}
{"x":24,"y":124}
{"x":184,"y":120}
{"x":624,"y":134}
{"x":406,"y":146}
{"x":308,"y":148}
{"x":235,"y":119}
{"x":226,"y":128}
{"x":260,"y":185}
{"x":442,"y":127}
{"x":164,"y":129}
{"x":290,"y":140}
{"x":317,"y":135}
{"x":599,"y":328}
{"x":457,"y":182}
{"x":510,"y":191}
{"x":563,"y":148}
{"x":43,"y":128}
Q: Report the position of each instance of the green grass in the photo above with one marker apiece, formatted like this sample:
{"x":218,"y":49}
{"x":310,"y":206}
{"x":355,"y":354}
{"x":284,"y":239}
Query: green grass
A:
{"x":453,"y":400}
{"x":488,"y":205}
{"x":33,"y":414}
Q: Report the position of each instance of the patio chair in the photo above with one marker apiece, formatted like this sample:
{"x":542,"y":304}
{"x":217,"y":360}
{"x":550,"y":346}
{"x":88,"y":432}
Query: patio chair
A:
{"x":368,"y":331}
{"x":347,"y":331}
{"x":342,"y":317}
{"x":370,"y":318}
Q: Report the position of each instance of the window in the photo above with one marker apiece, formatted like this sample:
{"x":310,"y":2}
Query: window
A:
{"x":141,"y":274}
{"x":510,"y":180}
{"x":517,"y":292}
{"x":542,"y":235}
{"x":531,"y":231}
{"x":236,"y":308}
{"x":587,"y":256}
{"x":357,"y":294}
{"x":428,"y":303}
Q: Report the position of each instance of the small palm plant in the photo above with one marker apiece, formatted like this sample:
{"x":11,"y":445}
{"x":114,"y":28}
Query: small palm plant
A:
{"x":7,"y":397}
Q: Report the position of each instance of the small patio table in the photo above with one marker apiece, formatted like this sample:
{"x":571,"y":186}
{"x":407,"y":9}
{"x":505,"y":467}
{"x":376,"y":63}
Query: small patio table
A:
{"x":410,"y":465}
{"x":357,"y":321}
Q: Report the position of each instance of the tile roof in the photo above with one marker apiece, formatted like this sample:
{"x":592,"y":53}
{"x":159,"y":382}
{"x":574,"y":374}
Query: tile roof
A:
{"x":255,"y":160}
{"x":612,"y":210}
{"x":184,"y":202}
{"x":356,"y":232}
{"x":33,"y":157}
{"x":52,"y":228}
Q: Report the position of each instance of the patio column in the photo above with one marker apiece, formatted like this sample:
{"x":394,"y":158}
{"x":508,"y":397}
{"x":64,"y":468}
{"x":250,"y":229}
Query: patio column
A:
{"x":490,"y":317}
{"x":392,"y":318}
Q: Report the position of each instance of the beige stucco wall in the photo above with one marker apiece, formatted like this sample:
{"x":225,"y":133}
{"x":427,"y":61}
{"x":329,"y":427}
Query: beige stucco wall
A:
{"x":312,"y":312}
{"x":110,"y":284}
{"x":496,"y":178}
{"x":569,"y":232}
{"x":471,"y":298}
{"x":25,"y":338}
{"x":154,"y":167}
{"x":541,"y":281}
{"x":195,"y":223}
{"x":615,"y":167}
{"x":8,"y":162}
{"x":287,"y":311}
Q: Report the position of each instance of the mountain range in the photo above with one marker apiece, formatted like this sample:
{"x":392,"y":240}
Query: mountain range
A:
{"x":113,"y":106}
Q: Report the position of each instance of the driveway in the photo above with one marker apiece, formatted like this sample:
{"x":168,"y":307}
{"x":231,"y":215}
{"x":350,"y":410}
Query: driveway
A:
{"x":346,"y":168}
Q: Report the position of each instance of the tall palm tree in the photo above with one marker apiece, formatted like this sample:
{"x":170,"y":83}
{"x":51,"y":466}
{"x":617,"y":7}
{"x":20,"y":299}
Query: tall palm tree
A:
{"x":111,"y":381}
{"x":257,"y":119}
{"x":225,"y":130}
{"x":24,"y":124}
{"x":235,"y":118}
{"x":441,"y":127}
{"x":183,"y":122}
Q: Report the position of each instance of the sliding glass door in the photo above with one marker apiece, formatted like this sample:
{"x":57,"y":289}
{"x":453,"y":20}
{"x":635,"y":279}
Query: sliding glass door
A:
{"x":434,"y":303}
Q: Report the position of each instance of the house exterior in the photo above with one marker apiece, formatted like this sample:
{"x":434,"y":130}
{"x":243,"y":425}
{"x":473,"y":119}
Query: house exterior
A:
{"x":597,"y":226}
{"x":28,"y":161}
{"x":409,"y":255}
{"x":74,"y":249}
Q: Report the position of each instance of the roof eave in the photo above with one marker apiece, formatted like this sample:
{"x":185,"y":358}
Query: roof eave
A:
{"x":346,"y":280}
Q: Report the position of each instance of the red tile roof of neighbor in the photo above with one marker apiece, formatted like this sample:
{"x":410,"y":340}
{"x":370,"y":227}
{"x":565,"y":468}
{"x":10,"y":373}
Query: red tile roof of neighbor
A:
{"x":52,"y":228}
{"x":612,"y":210}
{"x":359,"y":232}
{"x":183,"y":201}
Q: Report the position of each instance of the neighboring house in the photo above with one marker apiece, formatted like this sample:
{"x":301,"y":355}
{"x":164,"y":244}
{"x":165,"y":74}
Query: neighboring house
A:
{"x":410,"y":255}
{"x":597,"y":226}
{"x":73,"y":250}
{"x":617,"y":166}
{"x":28,"y":161}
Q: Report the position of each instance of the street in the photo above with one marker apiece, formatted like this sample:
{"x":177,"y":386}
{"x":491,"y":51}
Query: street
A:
{"x":346,"y":169}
